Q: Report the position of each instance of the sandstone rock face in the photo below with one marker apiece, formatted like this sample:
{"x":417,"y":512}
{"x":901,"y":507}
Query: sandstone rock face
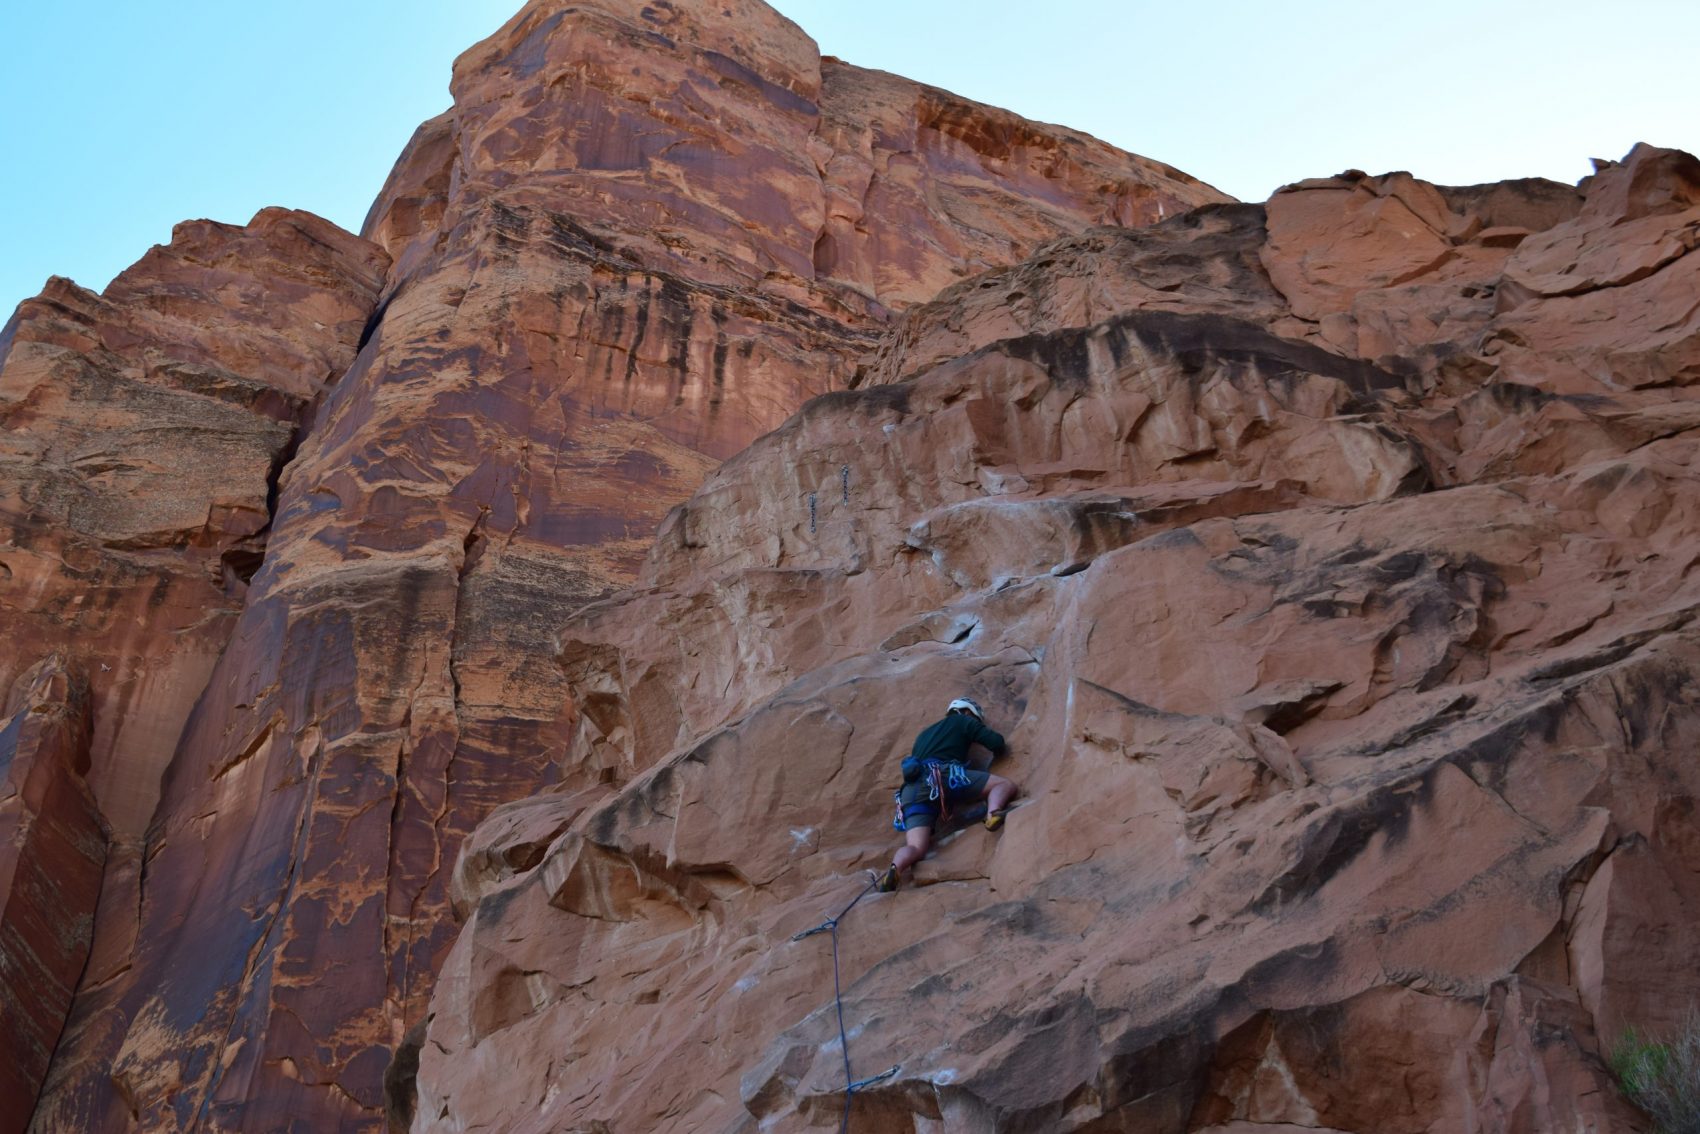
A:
{"x":1329,"y":566}
{"x":54,"y":848}
{"x":642,"y":237}
{"x":141,"y":432}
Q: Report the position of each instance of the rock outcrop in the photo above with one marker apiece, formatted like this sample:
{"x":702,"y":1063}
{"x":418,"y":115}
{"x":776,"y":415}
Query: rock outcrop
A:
{"x":642,"y":237}
{"x":143,"y":433}
{"x":1329,"y":565}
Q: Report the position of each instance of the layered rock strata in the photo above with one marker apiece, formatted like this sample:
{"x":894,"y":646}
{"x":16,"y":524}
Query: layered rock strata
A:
{"x":144,"y":430}
{"x":643,"y":236}
{"x":141,"y":436}
{"x":1329,"y":565}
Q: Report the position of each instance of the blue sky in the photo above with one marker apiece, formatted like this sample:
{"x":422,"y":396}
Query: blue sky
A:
{"x":122,"y":117}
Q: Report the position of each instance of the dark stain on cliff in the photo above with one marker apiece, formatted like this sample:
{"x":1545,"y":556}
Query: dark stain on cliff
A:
{"x":1335,"y":839}
{"x":528,"y":57}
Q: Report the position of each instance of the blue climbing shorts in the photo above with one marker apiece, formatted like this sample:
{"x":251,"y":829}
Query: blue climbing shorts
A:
{"x":921,"y":811}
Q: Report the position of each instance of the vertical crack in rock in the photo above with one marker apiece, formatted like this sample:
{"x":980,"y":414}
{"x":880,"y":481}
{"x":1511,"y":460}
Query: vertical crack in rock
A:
{"x":396,"y":811}
{"x":472,"y":550}
{"x":267,"y":942}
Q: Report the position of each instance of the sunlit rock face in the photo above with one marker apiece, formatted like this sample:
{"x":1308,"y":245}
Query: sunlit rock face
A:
{"x":143,"y":432}
{"x":141,"y":436}
{"x":449,"y":664}
{"x":313,"y":511}
{"x":1329,"y":565}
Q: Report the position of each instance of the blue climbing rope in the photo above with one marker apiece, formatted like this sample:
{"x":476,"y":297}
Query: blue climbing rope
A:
{"x":851,"y":1085}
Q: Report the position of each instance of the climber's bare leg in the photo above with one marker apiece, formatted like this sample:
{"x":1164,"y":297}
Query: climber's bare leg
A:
{"x":999,"y":791}
{"x":916,"y":840}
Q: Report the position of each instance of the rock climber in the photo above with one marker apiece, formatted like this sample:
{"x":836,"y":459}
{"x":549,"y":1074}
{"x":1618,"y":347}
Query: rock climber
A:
{"x":937,"y":780}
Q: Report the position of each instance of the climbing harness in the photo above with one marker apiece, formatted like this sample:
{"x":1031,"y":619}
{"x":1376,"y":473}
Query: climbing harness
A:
{"x":830,"y":925}
{"x":943,"y":777}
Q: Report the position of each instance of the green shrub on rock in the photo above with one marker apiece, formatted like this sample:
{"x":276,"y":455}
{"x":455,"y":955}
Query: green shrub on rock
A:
{"x":1662,"y":1078}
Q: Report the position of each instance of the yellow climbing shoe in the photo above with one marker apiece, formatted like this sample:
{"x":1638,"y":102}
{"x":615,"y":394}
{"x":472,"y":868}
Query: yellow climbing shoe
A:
{"x":886,"y":882}
{"x":995,"y":820}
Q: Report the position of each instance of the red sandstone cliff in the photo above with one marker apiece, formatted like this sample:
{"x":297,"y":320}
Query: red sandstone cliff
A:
{"x":310,"y":510}
{"x":1330,"y":565}
{"x":141,"y":436}
{"x":1328,"y":562}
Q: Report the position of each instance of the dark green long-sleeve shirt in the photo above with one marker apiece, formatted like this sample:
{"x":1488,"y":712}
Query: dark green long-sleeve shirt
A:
{"x":949,"y":739}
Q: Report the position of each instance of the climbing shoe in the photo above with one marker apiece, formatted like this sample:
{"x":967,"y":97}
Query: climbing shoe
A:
{"x":995,"y":820}
{"x":886,"y":882}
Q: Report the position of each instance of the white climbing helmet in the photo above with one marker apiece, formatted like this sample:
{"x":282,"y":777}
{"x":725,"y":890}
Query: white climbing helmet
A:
{"x":969,"y":704}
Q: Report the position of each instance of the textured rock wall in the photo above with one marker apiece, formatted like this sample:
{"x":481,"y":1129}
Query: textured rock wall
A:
{"x":141,"y":435}
{"x":55,"y":847}
{"x":643,"y":236}
{"x":1329,"y":565}
{"x":143,"y":432}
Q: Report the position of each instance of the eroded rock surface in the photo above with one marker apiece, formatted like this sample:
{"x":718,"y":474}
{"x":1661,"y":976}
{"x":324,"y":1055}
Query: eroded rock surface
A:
{"x":50,"y":869}
{"x":141,"y":435}
{"x":143,"y":431}
{"x":1329,"y":563}
{"x":644,"y":235}
{"x":1334,"y":584}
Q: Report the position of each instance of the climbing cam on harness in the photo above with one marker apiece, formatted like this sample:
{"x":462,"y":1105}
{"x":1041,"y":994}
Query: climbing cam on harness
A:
{"x":943,"y":777}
